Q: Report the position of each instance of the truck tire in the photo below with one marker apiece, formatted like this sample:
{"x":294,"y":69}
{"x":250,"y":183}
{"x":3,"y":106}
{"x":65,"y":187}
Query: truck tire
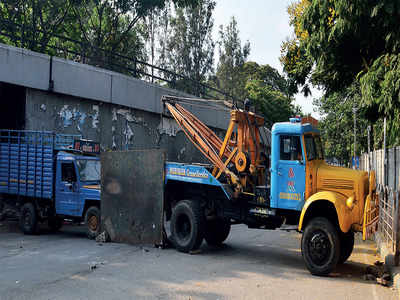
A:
{"x":92,"y":221}
{"x":346,"y":246}
{"x":217,"y":231}
{"x":55,"y":223}
{"x":320,"y":246}
{"x":28,"y":220}
{"x":187,"y":225}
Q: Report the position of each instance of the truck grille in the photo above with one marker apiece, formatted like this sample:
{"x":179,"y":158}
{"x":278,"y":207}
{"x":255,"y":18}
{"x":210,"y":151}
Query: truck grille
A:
{"x":338,"y":184}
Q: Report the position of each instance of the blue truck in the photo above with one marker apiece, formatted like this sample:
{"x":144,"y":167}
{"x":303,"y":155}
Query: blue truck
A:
{"x":50,"y":177}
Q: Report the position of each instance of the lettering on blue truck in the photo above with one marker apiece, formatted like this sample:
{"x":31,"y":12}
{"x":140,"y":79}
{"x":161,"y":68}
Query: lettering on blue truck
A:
{"x":190,"y":173}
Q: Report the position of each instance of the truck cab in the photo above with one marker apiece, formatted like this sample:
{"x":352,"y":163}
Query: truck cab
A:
{"x":330,"y":201}
{"x":300,"y":176}
{"x":78,"y":188}
{"x":288,"y":163}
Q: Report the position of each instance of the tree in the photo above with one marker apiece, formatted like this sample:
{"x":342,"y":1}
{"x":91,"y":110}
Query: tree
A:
{"x":294,"y":58}
{"x":189,"y":48}
{"x":269,"y":76}
{"x":88,"y":31}
{"x":270,"y":92}
{"x":337,"y":125}
{"x":339,"y":45}
{"x":272,"y":104}
{"x":232,"y":57}
{"x":33,"y":24}
{"x":109,"y":27}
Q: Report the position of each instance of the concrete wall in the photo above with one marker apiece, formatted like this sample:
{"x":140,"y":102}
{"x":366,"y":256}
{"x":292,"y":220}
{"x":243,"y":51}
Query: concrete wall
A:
{"x":120,"y":112}
{"x":30,"y":69}
{"x":114,"y":126}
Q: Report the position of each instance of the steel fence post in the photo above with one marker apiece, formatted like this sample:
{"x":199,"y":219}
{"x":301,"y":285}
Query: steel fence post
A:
{"x":397,"y":235}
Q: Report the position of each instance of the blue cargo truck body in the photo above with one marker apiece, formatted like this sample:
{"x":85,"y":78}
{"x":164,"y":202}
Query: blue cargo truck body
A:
{"x":50,"y":178}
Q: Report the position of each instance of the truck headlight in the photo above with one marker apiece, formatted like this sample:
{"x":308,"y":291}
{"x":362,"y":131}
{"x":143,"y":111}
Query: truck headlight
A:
{"x":350,"y":202}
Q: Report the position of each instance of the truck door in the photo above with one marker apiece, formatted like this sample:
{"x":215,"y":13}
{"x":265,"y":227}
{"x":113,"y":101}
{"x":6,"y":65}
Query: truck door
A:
{"x":67,"y":190}
{"x":291,"y":173}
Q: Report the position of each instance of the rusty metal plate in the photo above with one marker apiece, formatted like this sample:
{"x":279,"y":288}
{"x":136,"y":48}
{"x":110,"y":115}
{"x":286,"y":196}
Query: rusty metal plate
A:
{"x":132,"y":195}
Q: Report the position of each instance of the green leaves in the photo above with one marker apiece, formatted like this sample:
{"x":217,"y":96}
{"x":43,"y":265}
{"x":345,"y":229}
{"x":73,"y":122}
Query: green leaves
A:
{"x":271,"y":103}
{"x":188,"y":47}
{"x":381,"y":88}
{"x":351,"y":51}
{"x":232,"y":58}
{"x":113,"y":25}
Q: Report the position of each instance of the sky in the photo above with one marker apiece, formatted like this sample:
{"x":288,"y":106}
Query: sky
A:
{"x":265,"y":23}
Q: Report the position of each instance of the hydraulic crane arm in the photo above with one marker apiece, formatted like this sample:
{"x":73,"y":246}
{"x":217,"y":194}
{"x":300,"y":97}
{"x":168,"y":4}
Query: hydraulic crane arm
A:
{"x":241,"y":145}
{"x":200,"y":136}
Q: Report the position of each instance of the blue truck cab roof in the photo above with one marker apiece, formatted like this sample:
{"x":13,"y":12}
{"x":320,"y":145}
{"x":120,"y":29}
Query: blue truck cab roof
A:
{"x":293,"y":128}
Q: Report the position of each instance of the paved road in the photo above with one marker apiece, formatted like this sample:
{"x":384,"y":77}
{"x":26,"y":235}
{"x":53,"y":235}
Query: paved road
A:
{"x":254,"y":264}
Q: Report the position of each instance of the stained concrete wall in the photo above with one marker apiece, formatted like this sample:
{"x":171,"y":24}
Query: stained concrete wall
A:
{"x":119,"y":111}
{"x":114,"y":126}
{"x":34,"y":70}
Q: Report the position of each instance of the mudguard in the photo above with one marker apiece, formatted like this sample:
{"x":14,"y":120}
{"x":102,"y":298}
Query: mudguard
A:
{"x":344,"y":214}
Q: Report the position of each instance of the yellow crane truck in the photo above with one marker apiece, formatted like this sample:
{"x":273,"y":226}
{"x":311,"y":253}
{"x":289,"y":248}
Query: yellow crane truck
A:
{"x":294,"y":186}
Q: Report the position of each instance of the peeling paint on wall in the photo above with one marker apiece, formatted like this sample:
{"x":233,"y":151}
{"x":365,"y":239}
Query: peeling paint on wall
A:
{"x":130,"y":118}
{"x":181,"y":153}
{"x":66,"y":115}
{"x":114,"y":120}
{"x":127,"y":114}
{"x":128,"y":135}
{"x":168,"y":126}
{"x":79,"y":117}
{"x":95,"y":116}
{"x":107,"y":124}
{"x":114,"y":145}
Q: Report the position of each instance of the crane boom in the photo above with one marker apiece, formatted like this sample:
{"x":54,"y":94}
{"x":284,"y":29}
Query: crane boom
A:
{"x":238,"y":156}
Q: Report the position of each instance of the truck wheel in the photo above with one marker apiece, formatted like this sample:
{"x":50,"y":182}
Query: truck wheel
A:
{"x":92,"y":221}
{"x":187,"y":225}
{"x":320,"y":246}
{"x":346,"y":246}
{"x":217,"y":231}
{"x":28,"y":219}
{"x":55,"y":223}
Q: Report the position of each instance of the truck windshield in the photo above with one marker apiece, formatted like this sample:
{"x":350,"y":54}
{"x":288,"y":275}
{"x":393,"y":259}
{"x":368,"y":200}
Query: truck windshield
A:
{"x":313,"y":147}
{"x":89,"y":170}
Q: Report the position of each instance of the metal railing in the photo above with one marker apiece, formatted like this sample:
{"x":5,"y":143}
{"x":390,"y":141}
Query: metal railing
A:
{"x":386,"y":165}
{"x":388,"y":216}
{"x":60,"y":46}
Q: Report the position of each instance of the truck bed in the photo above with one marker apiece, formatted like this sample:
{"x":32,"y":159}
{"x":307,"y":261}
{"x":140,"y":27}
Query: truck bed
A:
{"x":27,"y":162}
{"x":26,"y":170}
